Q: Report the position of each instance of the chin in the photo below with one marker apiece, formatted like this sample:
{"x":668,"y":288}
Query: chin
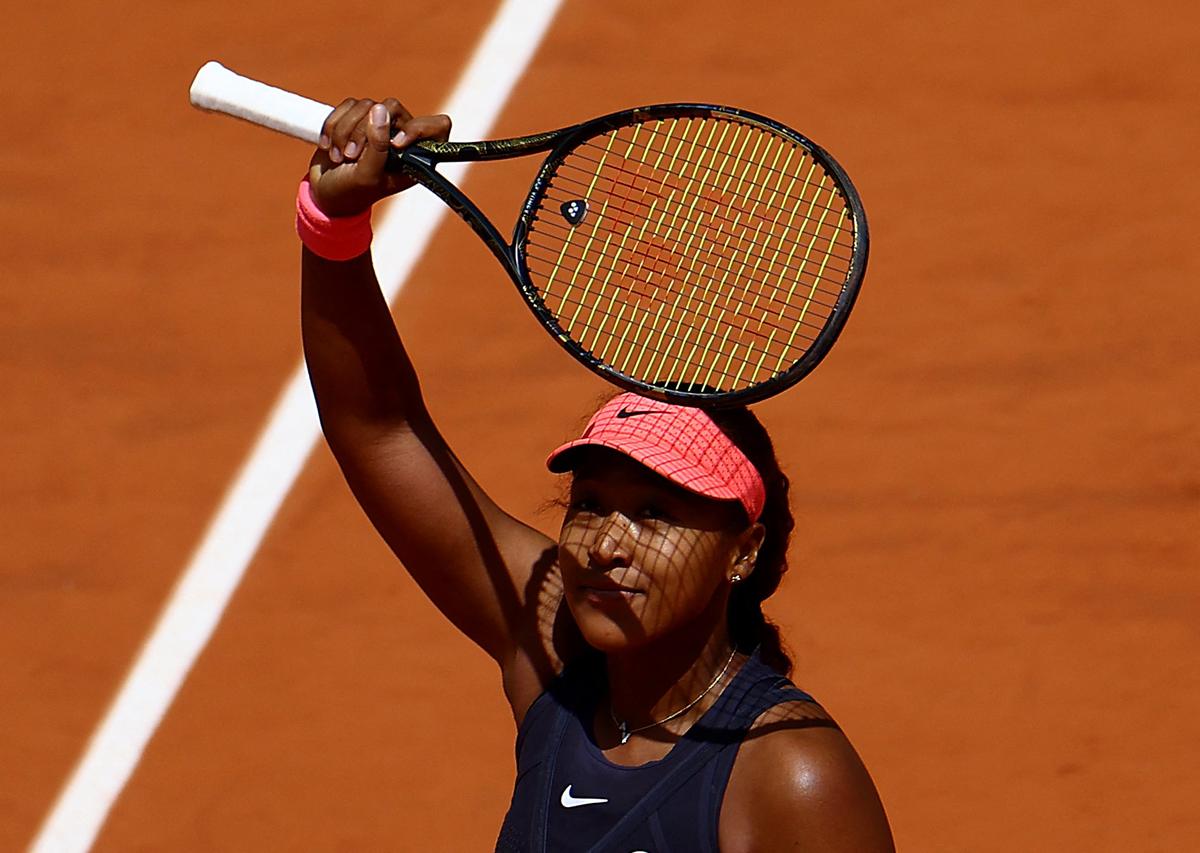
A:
{"x":608,"y":632}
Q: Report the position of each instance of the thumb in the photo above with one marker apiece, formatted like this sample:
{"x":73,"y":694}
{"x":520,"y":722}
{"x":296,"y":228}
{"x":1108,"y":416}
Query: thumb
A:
{"x":375,"y":153}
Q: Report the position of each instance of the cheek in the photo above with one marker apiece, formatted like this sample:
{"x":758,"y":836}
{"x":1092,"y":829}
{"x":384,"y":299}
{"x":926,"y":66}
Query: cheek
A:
{"x":685,"y":558}
{"x":568,"y":567}
{"x":687,"y":569}
{"x":574,"y":540}
{"x":571,"y":539}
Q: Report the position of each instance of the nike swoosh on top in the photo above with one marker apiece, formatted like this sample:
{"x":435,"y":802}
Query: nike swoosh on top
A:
{"x":570,"y":802}
{"x":629,"y":413}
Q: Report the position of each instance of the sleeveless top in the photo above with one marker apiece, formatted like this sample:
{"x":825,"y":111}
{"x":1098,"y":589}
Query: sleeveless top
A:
{"x":569,"y":797}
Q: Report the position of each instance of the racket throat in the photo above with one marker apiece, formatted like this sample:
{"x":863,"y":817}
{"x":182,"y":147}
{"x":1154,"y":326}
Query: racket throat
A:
{"x":421,"y":166}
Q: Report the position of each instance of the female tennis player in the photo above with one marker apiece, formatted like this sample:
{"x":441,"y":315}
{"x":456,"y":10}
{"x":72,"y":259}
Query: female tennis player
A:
{"x":650,"y":694}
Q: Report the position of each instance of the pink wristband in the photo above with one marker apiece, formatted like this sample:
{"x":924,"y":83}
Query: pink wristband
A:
{"x":337,"y":238}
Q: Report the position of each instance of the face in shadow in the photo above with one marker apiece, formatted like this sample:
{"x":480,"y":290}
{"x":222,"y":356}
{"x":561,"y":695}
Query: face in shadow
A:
{"x":642,"y":557}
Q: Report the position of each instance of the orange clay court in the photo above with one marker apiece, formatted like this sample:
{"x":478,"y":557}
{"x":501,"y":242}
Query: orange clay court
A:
{"x":994,"y":582}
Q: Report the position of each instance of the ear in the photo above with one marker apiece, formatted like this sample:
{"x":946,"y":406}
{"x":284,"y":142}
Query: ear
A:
{"x":746,"y":555}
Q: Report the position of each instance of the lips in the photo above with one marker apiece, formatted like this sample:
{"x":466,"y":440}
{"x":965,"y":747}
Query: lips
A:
{"x":605,"y":584}
{"x":604,"y":590}
{"x":609,"y":590}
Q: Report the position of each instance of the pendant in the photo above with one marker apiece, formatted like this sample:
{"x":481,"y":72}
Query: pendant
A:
{"x":623,"y":730}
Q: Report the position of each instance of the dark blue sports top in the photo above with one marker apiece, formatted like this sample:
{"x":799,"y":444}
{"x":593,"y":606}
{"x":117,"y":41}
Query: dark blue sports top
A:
{"x":569,"y":797}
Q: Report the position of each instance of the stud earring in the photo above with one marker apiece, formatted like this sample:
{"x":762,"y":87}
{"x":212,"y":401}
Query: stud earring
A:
{"x":735,"y":579}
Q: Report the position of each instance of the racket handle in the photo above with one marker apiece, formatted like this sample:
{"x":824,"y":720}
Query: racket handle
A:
{"x":217,"y":89}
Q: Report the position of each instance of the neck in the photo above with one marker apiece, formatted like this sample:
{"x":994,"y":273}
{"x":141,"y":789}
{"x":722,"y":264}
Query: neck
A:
{"x":655,"y":680}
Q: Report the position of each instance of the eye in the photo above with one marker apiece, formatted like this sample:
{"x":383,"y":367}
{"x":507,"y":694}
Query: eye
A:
{"x":582,"y":503}
{"x":656,"y":512}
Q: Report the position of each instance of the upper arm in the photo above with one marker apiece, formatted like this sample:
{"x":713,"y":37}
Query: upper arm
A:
{"x":798,"y":785}
{"x":494,"y":577}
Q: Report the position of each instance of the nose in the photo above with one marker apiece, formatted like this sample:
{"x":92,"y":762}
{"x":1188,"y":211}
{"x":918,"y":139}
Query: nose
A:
{"x":613,"y":542}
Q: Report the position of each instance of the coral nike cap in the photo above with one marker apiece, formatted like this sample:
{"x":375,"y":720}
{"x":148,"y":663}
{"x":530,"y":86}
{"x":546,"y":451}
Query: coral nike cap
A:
{"x":682,"y":443}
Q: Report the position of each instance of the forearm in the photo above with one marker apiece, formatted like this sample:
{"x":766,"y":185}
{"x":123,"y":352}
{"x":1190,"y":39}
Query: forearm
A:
{"x":359,"y":369}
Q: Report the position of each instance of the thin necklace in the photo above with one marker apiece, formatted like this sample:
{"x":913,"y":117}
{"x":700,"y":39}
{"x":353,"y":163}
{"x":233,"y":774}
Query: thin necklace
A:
{"x":626,"y":732}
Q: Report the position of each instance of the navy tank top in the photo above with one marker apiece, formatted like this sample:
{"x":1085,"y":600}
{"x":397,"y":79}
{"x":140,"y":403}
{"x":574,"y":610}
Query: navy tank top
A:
{"x":569,"y":797}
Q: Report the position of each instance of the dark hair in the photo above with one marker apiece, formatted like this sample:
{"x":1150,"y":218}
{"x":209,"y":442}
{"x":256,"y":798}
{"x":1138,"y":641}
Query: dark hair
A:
{"x":748,"y":627}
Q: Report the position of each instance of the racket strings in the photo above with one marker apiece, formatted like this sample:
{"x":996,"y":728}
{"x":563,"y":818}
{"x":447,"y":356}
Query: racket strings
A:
{"x":667,"y":346}
{"x":678,"y":333}
{"x":696,"y":234}
{"x":579,"y":316}
{"x":649,"y":296}
{"x":659,"y":357}
{"x":657,"y":263}
{"x":716,"y":204}
{"x":636,"y":174}
{"x":669,"y":177}
{"x":673,"y":145}
{"x":773,"y":261}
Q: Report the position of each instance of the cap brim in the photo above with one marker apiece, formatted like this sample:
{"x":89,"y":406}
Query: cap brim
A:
{"x":696,"y":480}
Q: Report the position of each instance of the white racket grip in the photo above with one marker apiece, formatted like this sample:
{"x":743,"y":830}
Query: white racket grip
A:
{"x":217,"y":89}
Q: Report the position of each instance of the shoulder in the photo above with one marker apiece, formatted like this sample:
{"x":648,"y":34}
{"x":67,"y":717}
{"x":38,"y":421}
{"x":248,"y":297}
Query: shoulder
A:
{"x":799,"y":785}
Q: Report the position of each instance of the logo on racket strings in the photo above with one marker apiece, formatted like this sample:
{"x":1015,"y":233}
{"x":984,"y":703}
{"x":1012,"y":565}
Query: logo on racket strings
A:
{"x":573,"y":211}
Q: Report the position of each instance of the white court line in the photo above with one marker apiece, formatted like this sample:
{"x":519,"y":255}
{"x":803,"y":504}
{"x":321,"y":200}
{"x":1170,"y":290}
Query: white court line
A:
{"x":195,"y":607}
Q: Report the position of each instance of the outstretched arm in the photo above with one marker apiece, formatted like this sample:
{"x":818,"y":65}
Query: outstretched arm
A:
{"x":491,"y":575}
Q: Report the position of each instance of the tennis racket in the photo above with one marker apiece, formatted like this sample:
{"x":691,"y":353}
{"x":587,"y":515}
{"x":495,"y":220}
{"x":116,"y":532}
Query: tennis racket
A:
{"x":692,"y":253}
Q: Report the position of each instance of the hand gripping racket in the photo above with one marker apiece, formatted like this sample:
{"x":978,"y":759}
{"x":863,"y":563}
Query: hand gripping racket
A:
{"x":693,"y":253}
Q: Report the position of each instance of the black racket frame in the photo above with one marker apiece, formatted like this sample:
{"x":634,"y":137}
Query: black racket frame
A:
{"x":420,"y":162}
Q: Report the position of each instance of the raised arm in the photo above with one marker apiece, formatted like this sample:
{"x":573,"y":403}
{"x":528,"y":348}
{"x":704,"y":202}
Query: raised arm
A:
{"x":491,"y":575}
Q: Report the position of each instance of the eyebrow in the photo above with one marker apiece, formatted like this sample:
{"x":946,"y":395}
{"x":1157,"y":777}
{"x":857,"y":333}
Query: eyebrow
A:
{"x":644,"y":477}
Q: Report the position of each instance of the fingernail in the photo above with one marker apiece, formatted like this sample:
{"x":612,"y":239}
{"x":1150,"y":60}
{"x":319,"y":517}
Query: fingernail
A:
{"x":335,"y":155}
{"x":323,"y":142}
{"x":399,"y":139}
{"x":379,"y":115}
{"x":351,"y":150}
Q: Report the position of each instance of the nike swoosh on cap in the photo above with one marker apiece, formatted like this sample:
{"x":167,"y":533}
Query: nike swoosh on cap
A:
{"x":629,"y":413}
{"x":570,"y":802}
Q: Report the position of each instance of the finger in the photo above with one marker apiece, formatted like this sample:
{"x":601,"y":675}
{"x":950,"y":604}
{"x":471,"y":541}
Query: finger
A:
{"x":373,"y":158}
{"x":379,"y":121}
{"x":400,"y":113}
{"x":435,"y":128}
{"x":400,"y":116}
{"x":357,"y":143}
{"x":331,"y":120}
{"x":347,"y":137}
